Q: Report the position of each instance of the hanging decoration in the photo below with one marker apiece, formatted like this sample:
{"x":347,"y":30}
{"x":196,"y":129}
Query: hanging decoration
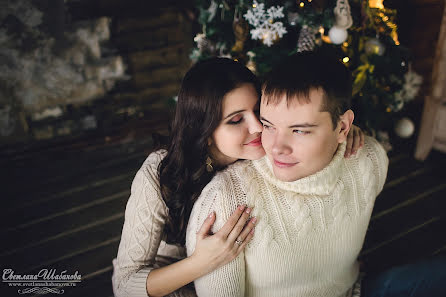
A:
{"x":404,"y":128}
{"x":343,"y":20}
{"x":265,"y":28}
{"x":306,"y":41}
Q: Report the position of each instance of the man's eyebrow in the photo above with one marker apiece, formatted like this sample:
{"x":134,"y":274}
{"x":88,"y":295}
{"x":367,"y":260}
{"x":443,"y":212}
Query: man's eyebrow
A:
{"x":303,"y":125}
{"x":263,"y":119}
{"x":233,"y":113}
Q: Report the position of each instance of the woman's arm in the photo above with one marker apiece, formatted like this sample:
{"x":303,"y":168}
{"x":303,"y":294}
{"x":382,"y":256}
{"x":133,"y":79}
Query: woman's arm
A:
{"x":211,"y":252}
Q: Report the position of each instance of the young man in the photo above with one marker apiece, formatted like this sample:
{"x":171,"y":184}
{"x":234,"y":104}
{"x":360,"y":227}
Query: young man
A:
{"x":313,"y":204}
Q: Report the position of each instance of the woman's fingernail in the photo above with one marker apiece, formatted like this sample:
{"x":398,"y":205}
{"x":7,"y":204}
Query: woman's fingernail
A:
{"x":254,"y":220}
{"x":252,"y":231}
{"x":211,"y":215}
{"x":248,"y":210}
{"x":241,"y":207}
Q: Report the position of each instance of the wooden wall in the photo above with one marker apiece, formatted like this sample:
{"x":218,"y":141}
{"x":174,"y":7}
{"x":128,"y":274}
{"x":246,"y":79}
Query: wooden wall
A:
{"x":419,"y":24}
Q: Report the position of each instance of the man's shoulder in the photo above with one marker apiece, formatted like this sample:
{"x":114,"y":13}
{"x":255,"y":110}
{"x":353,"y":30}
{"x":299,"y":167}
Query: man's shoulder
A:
{"x":375,"y":151}
{"x":233,"y":173}
{"x":227,"y":186}
{"x":371,"y":159}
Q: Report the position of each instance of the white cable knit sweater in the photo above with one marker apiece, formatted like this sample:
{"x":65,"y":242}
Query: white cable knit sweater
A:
{"x":309,"y":231}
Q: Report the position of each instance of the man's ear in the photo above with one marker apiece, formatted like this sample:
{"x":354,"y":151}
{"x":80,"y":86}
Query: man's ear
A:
{"x":345,"y":123}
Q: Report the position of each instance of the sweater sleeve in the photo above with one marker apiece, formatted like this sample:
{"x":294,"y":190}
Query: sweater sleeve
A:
{"x":145,"y":216}
{"x":380,"y":161}
{"x":228,"y":280}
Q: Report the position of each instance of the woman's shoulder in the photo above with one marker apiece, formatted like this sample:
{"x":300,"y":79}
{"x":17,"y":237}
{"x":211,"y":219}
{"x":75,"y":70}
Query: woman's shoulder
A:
{"x":151,"y":164}
{"x":145,"y":185}
{"x":155,"y":158}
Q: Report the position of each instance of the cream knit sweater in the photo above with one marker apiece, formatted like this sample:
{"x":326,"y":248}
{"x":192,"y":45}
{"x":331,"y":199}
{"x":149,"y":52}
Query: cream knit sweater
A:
{"x":309,"y":231}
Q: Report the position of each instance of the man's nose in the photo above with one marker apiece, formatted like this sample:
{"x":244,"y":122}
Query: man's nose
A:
{"x":281,"y":146}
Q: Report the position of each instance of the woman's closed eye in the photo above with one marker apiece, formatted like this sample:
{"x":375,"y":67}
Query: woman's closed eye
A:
{"x":236,"y":120}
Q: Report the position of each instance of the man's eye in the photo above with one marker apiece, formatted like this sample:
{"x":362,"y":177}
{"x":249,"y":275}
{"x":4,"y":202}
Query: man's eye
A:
{"x":301,"y":132}
{"x":266,"y":127}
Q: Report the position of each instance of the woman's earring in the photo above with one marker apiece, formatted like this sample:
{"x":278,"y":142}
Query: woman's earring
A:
{"x":209,"y":167}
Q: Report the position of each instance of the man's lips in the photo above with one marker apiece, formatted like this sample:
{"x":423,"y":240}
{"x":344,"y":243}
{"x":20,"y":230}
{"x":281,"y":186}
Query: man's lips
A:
{"x":255,"y":142}
{"x":283,"y":164}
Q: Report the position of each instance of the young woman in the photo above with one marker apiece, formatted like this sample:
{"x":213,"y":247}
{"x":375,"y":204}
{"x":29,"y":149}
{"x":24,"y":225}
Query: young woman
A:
{"x":216,"y":123}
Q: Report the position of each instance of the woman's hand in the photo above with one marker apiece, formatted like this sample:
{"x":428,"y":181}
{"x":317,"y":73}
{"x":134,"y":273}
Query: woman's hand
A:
{"x":225,"y":245}
{"x":355,"y":140}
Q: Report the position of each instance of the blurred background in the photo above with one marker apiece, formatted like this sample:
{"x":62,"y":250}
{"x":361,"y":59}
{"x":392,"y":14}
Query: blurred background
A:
{"x":87,"y":89}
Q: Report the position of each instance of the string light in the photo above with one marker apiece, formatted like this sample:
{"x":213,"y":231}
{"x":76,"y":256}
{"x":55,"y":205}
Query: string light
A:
{"x":346,"y":59}
{"x":302,"y":4}
{"x":345,"y":44}
{"x":254,"y":5}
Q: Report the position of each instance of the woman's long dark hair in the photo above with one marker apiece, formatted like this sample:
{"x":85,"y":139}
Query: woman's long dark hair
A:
{"x":182,"y":173}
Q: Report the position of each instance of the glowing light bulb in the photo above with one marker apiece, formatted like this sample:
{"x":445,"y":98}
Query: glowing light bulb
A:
{"x":302,"y":4}
{"x":345,"y":59}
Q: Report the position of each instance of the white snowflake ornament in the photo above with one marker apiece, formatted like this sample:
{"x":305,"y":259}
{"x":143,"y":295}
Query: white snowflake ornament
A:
{"x":265,"y":28}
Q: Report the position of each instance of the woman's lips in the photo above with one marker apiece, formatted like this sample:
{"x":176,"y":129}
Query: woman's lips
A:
{"x":284,"y":165}
{"x":255,"y":142}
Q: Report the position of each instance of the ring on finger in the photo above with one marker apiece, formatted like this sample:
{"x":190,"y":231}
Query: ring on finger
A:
{"x":239,"y":242}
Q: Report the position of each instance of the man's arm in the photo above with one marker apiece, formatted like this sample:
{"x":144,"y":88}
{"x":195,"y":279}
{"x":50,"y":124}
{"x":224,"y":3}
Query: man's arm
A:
{"x":228,"y":280}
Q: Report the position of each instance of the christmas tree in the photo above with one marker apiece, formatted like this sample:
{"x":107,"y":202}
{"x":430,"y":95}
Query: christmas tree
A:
{"x":361,"y":33}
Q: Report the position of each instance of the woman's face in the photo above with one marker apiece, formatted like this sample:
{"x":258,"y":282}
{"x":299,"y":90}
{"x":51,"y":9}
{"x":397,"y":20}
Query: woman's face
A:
{"x":238,"y":136}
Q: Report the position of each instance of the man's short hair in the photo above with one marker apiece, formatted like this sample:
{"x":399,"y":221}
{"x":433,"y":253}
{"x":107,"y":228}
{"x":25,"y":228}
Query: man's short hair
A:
{"x":300,"y":73}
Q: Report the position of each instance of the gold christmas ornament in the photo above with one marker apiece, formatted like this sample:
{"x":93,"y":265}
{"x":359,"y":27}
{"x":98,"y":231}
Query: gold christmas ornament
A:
{"x":241,"y":32}
{"x":383,"y":19}
{"x":376,"y":4}
{"x":374,"y":46}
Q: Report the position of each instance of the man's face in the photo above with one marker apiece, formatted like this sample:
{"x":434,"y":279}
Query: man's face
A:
{"x":299,"y":139}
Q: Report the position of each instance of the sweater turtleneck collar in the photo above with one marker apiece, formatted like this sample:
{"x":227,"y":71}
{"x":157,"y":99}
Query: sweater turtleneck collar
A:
{"x":320,"y":183}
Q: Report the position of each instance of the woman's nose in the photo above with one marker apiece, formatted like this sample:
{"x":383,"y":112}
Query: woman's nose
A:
{"x":255,"y":126}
